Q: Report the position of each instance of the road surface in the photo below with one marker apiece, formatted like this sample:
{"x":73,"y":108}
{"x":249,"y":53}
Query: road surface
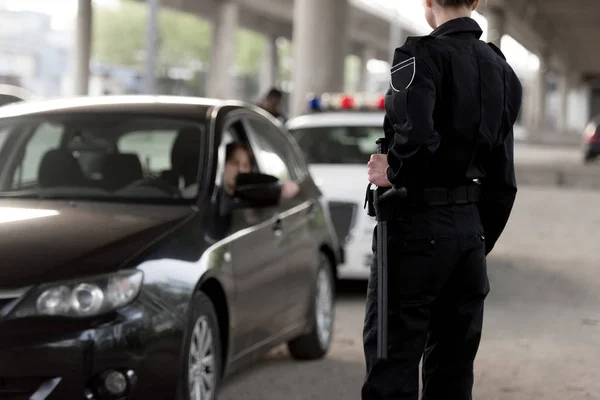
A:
{"x":542,"y":325}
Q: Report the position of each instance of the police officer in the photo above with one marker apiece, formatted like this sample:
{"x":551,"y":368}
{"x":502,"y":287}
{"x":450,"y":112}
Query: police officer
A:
{"x":450,"y":110}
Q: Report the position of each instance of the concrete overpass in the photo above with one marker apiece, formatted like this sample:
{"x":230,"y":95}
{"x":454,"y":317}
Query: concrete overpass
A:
{"x":325,"y":31}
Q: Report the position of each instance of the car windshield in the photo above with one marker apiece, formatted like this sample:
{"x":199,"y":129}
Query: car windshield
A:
{"x":111,"y":157}
{"x":338,"y":144}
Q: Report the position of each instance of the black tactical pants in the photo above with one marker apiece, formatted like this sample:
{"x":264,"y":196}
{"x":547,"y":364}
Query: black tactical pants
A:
{"x":437,"y":286}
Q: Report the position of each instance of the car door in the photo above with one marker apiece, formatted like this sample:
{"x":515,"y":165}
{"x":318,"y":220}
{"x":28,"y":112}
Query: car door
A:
{"x":257,"y":275}
{"x":296,"y":250}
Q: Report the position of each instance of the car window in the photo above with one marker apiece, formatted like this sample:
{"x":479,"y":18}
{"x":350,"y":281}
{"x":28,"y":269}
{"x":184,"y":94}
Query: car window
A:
{"x":274,"y":153}
{"x":47,"y":136}
{"x":102,"y":156}
{"x":338,"y":144}
{"x":150,"y":148}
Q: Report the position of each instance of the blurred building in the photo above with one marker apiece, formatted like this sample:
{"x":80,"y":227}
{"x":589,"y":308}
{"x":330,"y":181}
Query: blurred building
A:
{"x":32,"y":55}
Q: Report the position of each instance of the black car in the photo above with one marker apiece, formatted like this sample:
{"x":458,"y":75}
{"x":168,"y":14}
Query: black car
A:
{"x":591,"y":140}
{"x":141,"y":260}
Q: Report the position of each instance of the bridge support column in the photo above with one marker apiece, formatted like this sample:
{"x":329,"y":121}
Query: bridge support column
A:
{"x":221,"y":82}
{"x":83,"y":46}
{"x":397,"y":39}
{"x":320,"y":48}
{"x":541,"y":98}
{"x":366,"y":55}
{"x":564,"y":87}
{"x":496,"y":20}
{"x":270,"y":67}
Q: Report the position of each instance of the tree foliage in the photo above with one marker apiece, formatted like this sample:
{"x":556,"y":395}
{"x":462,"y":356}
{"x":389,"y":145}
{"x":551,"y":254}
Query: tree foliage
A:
{"x":119,"y":37}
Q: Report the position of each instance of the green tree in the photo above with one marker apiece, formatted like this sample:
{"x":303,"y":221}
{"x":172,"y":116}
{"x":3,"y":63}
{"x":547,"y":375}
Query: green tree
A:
{"x":119,"y":35}
{"x":120,"y":38}
{"x":250,"y":50}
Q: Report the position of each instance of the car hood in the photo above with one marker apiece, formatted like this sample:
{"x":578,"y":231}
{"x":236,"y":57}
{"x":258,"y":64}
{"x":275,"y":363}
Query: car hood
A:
{"x":49,"y":240}
{"x":341,"y":182}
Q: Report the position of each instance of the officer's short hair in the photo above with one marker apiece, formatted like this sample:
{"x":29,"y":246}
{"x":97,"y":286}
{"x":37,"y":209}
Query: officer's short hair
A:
{"x":455,"y":3}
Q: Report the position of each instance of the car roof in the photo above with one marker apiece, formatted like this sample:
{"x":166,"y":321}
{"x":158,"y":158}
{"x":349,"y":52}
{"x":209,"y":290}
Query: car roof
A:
{"x":341,"y":118}
{"x":183,"y":106}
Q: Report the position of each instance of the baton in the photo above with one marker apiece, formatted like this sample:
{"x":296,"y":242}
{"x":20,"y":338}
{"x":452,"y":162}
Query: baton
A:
{"x":382,"y":269}
{"x":380,"y":198}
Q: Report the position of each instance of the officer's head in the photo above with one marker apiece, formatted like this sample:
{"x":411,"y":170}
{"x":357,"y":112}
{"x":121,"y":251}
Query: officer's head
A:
{"x":238,"y":159}
{"x":439,"y":11}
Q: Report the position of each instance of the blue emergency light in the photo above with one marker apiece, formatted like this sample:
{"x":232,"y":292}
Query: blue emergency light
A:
{"x":345,"y":102}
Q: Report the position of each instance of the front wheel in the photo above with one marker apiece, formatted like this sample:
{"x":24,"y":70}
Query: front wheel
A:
{"x":315,"y":344}
{"x":203,"y":357}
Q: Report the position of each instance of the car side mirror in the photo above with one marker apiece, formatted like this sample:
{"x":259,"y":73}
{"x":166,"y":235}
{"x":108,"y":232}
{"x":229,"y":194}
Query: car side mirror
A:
{"x":257,"y":190}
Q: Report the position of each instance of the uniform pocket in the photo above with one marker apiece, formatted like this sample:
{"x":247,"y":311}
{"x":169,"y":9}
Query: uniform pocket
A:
{"x":418,"y":246}
{"x":476,"y":238}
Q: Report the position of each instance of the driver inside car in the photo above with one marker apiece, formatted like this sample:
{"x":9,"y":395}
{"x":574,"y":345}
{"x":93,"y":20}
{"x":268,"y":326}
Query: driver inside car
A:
{"x":238,"y":159}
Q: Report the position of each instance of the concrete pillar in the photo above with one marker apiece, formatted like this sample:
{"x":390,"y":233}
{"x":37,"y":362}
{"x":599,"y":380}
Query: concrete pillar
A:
{"x":83,"y":47}
{"x":269,"y":74}
{"x":320,"y":47}
{"x":221,"y":82}
{"x":496,"y":20}
{"x":363,"y":77}
{"x":541,"y":101}
{"x":151,"y":47}
{"x":397,"y":39}
{"x":564,"y":88}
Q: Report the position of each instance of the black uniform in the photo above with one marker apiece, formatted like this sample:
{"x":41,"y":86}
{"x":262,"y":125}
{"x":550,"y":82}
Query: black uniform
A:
{"x":450,"y":110}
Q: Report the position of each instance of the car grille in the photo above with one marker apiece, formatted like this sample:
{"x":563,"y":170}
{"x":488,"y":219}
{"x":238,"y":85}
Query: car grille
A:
{"x":343,"y":217}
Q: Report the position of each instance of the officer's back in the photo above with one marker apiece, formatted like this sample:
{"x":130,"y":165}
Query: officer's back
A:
{"x":475,"y":99}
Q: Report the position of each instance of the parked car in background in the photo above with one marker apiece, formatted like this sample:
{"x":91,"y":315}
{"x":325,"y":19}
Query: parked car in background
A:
{"x":13,"y":94}
{"x":591,"y":140}
{"x":337,"y":137}
{"x":130,"y":271}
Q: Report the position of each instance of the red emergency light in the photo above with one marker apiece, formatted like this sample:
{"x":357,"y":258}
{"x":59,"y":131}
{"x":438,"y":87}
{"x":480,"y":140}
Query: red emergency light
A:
{"x":346,"y":102}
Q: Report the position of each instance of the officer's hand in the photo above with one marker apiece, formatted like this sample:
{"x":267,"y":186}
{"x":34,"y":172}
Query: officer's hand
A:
{"x":378,"y":166}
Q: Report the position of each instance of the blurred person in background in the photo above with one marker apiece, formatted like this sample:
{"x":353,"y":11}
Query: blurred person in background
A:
{"x":450,"y":111}
{"x":273,"y":104}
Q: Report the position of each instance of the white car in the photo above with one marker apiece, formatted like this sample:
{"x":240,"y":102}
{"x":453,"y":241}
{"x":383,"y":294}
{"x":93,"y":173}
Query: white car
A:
{"x":337,"y":139}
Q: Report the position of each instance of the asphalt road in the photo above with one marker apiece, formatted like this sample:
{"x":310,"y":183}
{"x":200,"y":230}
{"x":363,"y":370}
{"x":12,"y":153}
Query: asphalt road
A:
{"x":542,"y":327}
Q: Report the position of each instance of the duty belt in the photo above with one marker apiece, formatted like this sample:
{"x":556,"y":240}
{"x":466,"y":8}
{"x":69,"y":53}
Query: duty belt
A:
{"x":440,"y":196}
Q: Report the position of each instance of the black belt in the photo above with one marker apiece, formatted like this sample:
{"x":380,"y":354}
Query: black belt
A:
{"x":440,"y":196}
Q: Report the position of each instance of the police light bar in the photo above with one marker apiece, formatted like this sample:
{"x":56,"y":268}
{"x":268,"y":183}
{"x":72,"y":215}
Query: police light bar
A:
{"x":345,"y":102}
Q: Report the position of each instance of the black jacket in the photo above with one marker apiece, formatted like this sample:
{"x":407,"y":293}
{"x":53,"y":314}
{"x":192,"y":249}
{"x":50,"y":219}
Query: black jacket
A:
{"x":450,"y":111}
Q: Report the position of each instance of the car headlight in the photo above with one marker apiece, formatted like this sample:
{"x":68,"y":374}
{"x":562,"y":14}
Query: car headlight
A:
{"x":85,"y":297}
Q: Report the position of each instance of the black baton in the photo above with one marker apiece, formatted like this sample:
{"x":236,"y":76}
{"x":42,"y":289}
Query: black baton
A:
{"x":381,"y":203}
{"x":382,"y":269}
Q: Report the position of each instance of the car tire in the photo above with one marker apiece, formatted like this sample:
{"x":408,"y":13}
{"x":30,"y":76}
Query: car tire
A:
{"x":315,"y":344}
{"x":202,"y":356}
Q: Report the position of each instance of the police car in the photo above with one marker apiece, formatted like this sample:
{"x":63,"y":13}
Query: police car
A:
{"x":337,"y":137}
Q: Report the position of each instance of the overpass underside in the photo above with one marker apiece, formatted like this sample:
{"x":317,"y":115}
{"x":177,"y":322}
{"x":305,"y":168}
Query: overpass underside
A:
{"x":561,"y":33}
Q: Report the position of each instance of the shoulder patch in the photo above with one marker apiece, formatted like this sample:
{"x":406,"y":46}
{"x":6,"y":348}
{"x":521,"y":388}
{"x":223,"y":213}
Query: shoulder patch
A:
{"x":402,"y":74}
